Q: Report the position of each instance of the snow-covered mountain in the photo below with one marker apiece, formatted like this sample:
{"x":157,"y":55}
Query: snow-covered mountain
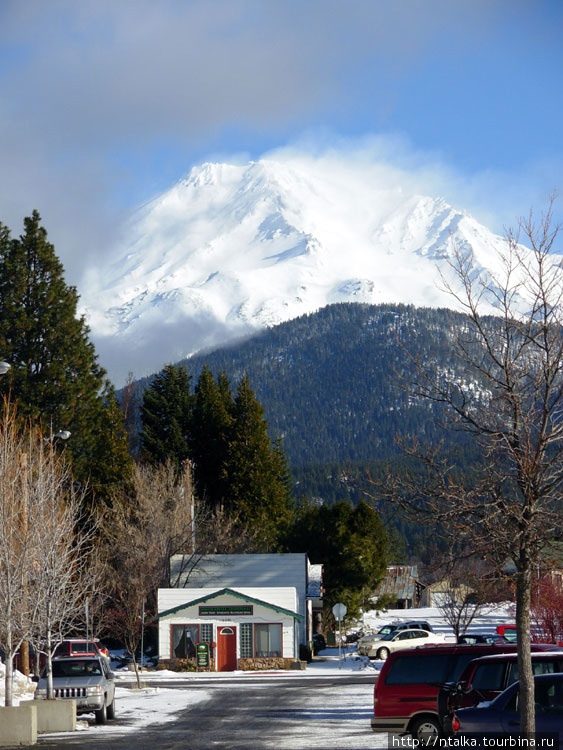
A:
{"x":232,"y":249}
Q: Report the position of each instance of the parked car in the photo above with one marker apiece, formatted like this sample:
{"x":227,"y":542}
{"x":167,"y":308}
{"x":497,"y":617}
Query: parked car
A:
{"x":319,"y":642}
{"x":500,"y":717}
{"x":379,"y":647}
{"x":406,"y":625}
{"x":392,"y":627}
{"x":80,"y":647}
{"x":486,"y":677}
{"x":508,"y":632}
{"x":89,"y":681}
{"x":482,"y":638}
{"x":405,"y":696}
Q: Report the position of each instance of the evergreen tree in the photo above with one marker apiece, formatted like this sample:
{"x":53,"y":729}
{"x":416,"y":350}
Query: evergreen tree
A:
{"x":55,"y":377}
{"x":166,"y":415}
{"x":212,"y":417}
{"x":255,"y":472}
{"x":350,"y":542}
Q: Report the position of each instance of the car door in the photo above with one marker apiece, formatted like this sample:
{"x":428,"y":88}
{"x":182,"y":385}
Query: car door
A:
{"x":549,"y":709}
{"x":402,"y":640}
{"x":110,"y":681}
{"x":417,"y":637}
{"x":549,"y":706}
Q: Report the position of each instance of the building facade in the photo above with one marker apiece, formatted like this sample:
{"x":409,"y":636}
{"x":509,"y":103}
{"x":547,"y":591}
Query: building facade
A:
{"x":253,"y":611}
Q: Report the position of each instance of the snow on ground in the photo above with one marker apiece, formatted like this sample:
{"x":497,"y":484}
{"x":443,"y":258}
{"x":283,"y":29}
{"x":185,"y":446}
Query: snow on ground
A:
{"x":138,"y":708}
{"x":490,"y":616}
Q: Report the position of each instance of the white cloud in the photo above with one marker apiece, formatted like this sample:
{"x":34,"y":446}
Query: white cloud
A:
{"x":101,"y":104}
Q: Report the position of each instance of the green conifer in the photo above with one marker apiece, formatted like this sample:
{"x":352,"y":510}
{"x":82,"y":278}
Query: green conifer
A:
{"x":166,"y":416}
{"x":212,"y":418}
{"x":256,"y":474}
{"x":55,"y":377}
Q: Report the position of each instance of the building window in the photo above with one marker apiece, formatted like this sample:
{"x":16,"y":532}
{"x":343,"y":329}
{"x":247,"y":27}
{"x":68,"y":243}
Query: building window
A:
{"x":246,"y":644}
{"x":206,"y":635}
{"x":184,"y":638}
{"x":206,"y":632}
{"x":268,"y":640}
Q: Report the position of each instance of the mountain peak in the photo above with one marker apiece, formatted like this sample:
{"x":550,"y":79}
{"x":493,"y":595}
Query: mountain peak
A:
{"x":233,"y":248}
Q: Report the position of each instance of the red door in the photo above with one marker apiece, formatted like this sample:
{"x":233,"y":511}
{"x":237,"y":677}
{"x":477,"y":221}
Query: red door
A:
{"x":226,"y":649}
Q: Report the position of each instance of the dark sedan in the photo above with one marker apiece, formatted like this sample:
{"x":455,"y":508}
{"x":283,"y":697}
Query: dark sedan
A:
{"x":501,"y":715}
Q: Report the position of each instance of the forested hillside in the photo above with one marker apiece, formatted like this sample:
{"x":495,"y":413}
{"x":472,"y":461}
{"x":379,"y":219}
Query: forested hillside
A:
{"x":334,"y":387}
{"x":333,"y":383}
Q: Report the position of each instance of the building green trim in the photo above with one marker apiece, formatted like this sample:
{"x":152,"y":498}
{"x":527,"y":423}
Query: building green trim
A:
{"x":237,"y":595}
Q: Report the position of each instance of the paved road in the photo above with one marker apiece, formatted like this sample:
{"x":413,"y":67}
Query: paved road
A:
{"x":262,"y":714}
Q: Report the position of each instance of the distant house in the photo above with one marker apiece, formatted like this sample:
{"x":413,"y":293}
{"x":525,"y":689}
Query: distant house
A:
{"x":246,"y":607}
{"x":442,"y":592}
{"x":401,"y":586}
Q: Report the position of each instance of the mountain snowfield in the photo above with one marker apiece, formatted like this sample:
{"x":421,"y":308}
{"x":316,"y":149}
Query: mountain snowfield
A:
{"x":232,"y":249}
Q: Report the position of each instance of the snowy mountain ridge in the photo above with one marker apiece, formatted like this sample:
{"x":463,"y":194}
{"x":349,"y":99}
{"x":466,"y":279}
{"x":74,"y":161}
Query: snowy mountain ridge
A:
{"x":234,"y":248}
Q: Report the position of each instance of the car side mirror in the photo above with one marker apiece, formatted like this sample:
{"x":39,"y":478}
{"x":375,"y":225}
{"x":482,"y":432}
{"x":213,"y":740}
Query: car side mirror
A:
{"x":111,"y":676}
{"x":35,"y":678}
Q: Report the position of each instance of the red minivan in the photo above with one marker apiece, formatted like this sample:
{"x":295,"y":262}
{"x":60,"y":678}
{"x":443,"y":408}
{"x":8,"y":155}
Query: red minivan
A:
{"x":405,"y":696}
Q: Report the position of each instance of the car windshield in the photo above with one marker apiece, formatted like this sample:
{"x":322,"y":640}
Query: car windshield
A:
{"x":77,"y":668}
{"x":386,"y":629}
{"x":389,"y":636}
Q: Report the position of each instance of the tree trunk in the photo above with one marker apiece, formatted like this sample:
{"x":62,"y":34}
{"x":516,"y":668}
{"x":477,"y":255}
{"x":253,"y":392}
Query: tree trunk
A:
{"x":526,"y":676}
{"x":49,"y":669}
{"x":135,"y":665}
{"x":9,"y":678}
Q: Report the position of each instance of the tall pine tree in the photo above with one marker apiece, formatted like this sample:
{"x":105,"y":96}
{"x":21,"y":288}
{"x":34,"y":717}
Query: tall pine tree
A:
{"x":55,"y":378}
{"x":166,"y":416}
{"x":257,"y":475}
{"x":212,"y":418}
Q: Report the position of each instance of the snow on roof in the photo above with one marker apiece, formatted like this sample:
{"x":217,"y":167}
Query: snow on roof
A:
{"x":315,"y":580}
{"x":399,"y":581}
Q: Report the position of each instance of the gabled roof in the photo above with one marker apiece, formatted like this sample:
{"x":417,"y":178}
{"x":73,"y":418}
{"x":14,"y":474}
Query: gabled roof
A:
{"x":237,"y":595}
{"x":400,"y":581}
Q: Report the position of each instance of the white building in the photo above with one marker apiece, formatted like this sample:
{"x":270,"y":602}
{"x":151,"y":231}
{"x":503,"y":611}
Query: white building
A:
{"x":246,"y":607}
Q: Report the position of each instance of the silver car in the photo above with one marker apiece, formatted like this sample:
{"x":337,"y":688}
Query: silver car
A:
{"x":379,"y":647}
{"x":87,"y":680}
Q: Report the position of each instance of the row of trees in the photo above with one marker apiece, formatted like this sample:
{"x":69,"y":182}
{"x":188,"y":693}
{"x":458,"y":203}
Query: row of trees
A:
{"x":225,"y":437}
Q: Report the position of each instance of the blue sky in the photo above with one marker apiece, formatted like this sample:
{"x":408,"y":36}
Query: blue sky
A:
{"x":105,"y":104}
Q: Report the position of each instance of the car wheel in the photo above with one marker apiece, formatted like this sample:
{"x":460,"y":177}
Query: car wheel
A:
{"x":111,"y":710}
{"x":383,"y":653}
{"x":101,"y":715}
{"x":426,"y":730}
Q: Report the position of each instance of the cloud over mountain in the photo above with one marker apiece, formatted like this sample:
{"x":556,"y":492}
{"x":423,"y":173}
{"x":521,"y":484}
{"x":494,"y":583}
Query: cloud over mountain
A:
{"x":234,"y":248}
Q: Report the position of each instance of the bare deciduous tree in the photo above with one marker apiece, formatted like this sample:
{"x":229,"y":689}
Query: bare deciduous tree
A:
{"x":18,"y":543}
{"x":547,"y":609}
{"x":43,"y":556}
{"x":66,"y":561}
{"x":508,"y":394}
{"x":159,"y":519}
{"x":156,"y":520}
{"x":464,"y":592}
